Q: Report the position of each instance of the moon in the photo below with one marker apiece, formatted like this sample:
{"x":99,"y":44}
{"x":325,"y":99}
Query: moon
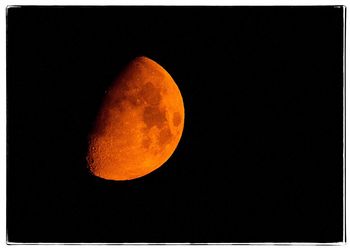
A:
{"x":139,"y":124}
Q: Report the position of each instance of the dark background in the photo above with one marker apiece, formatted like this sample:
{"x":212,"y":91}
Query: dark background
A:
{"x":260,"y":158}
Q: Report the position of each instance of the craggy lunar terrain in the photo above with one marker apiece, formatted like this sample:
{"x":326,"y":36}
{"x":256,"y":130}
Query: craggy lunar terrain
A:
{"x":139,"y":125}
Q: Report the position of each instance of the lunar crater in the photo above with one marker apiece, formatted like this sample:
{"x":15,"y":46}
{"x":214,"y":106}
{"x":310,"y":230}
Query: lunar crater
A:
{"x":150,"y":94}
{"x":154,"y":116}
{"x":176,"y":119}
{"x":165,"y":136}
{"x":146,"y":142}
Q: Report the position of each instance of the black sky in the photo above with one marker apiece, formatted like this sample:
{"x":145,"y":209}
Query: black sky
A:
{"x":260,"y":159}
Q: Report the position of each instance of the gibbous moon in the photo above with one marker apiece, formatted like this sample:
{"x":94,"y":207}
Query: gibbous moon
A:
{"x":139,"y":124}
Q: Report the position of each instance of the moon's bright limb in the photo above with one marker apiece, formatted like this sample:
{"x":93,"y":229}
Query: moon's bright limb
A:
{"x":139,"y":125}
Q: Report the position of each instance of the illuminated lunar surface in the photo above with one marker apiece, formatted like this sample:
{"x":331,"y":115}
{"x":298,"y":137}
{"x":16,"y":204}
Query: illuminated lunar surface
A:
{"x":139,"y":125}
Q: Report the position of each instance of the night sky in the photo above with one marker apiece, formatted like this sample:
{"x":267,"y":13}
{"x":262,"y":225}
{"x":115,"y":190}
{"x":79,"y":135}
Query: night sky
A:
{"x":261,"y":155}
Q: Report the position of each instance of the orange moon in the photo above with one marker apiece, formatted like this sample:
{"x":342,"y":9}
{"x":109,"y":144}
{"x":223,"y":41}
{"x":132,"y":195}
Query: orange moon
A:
{"x":139,"y":124}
